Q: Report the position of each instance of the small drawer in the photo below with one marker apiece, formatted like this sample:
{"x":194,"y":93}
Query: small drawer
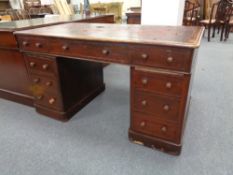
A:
{"x":39,"y":65}
{"x":33,"y":44}
{"x":144,"y":124}
{"x":49,"y":100}
{"x":158,"y":106}
{"x":164,"y":83}
{"x":90,"y":50}
{"x":178,"y":59}
{"x":46,"y":84}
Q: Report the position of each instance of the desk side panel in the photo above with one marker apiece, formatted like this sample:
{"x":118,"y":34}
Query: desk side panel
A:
{"x":13,"y":77}
{"x":8,"y":40}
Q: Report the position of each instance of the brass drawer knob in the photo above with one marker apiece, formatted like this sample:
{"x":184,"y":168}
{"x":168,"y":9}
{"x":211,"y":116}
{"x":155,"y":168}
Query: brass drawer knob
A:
{"x":105,"y":52}
{"x":39,"y":97}
{"x":166,"y":108}
{"x":25,"y":43}
{"x":144,"y":56}
{"x":38,"y":45}
{"x":48,"y":83}
{"x":144,"y":81}
{"x":45,"y":66}
{"x":169,"y":85}
{"x":144,"y":103}
{"x":170,"y":59}
{"x":36,"y":80}
{"x":142,"y":124}
{"x":32,"y":64}
{"x":65,"y":47}
{"x":52,"y":101}
{"x":164,"y":129}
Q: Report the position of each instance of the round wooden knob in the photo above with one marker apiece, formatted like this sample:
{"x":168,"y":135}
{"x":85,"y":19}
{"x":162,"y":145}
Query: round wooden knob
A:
{"x":32,"y":64}
{"x":48,"y":83}
{"x":166,"y":108}
{"x":142,"y":124}
{"x":52,"y":101}
{"x":170,"y":59}
{"x":164,"y":129}
{"x":25,"y":43}
{"x":36,"y":80}
{"x":65,"y":47}
{"x":169,"y":85}
{"x":144,"y":103}
{"x":39,"y":97}
{"x":105,"y":52}
{"x":144,"y":56}
{"x":144,"y":81}
{"x":38,"y":45}
{"x":45,"y":66}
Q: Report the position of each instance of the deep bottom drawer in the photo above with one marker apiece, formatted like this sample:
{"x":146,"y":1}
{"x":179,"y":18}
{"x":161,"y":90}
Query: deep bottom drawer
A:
{"x":146,"y":125}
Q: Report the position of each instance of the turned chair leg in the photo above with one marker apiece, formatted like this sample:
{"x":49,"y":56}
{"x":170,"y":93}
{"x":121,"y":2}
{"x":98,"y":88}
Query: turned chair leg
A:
{"x":213,"y":35}
{"x":218,"y":29}
{"x":209,"y":30}
{"x":227,"y":32}
{"x":222,"y":32}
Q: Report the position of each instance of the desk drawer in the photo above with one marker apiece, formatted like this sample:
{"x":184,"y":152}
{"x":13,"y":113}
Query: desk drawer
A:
{"x":49,"y":100}
{"x":164,"y":107}
{"x":45,"y":84}
{"x":160,"y":82}
{"x":41,"y":65}
{"x":178,"y":59}
{"x":90,"y":50}
{"x":33,"y":44}
{"x":144,"y":124}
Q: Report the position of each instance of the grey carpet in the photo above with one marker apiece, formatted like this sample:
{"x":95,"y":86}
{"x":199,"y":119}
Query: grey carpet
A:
{"x":95,"y":141}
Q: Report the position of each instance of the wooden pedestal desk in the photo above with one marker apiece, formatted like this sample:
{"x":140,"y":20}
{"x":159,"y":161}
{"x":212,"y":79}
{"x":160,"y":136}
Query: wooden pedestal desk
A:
{"x":14,"y":80}
{"x":162,"y":61}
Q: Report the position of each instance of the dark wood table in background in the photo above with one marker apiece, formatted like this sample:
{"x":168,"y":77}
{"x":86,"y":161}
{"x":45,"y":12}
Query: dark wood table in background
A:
{"x":14,"y":80}
{"x":162,"y":61}
{"x":133,"y":17}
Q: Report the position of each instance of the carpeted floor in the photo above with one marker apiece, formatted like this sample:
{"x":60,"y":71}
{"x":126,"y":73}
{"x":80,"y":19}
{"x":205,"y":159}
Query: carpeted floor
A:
{"x":95,"y":141}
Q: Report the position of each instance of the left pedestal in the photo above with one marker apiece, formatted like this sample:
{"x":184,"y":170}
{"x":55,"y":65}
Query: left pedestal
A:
{"x":62,"y":86}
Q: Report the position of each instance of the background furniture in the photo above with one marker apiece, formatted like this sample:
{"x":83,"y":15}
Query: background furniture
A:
{"x":4,"y":4}
{"x":134,"y":15}
{"x":191,"y":13}
{"x":14,"y":82}
{"x":218,"y":17}
{"x":113,"y":8}
{"x":161,"y":72}
{"x":31,"y":4}
{"x":228,"y":23}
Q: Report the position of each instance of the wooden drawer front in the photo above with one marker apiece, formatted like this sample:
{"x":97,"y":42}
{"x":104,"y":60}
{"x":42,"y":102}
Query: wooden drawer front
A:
{"x":43,"y":66}
{"x":164,"y":107}
{"x":171,"y":84}
{"x":144,"y":124}
{"x":90,"y":50}
{"x":49,"y":100}
{"x":44,"y":84}
{"x":162,"y":57}
{"x":33,"y":44}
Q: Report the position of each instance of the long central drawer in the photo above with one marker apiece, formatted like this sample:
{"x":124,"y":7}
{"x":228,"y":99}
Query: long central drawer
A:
{"x":172,"y":58}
